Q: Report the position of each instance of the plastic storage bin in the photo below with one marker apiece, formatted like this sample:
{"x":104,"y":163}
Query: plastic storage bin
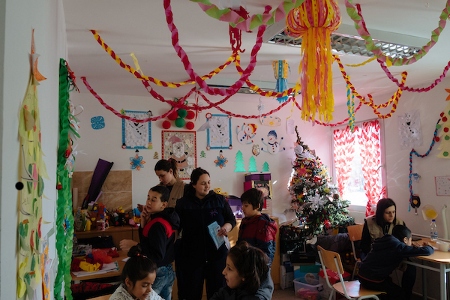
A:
{"x":307,"y":288}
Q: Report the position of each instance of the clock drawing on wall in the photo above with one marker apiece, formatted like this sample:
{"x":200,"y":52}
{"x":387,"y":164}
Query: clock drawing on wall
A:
{"x":136,"y":135}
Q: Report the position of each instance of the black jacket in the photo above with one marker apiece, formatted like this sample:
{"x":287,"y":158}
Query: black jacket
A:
{"x":196,"y":245}
{"x":386,"y":255}
{"x":263,"y":293}
{"x":157,"y":241}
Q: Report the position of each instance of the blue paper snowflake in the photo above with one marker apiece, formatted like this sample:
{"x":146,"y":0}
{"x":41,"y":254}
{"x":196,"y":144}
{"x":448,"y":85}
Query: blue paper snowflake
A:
{"x":97,"y":122}
{"x":221,"y":161}
{"x":137,"y":162}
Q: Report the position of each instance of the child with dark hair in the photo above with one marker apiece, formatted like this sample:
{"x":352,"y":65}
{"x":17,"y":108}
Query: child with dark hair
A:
{"x":137,"y":278}
{"x":386,"y":255}
{"x":247,"y":275}
{"x":256,"y":228}
{"x":157,"y":234}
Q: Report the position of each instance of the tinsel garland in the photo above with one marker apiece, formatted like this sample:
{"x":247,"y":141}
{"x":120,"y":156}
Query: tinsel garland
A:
{"x":64,"y":213}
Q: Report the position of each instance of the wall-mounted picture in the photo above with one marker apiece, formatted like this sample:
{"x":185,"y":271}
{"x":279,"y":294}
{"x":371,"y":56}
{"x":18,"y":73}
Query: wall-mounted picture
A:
{"x":218,"y":134}
{"x":181,"y":146}
{"x":136,"y":135}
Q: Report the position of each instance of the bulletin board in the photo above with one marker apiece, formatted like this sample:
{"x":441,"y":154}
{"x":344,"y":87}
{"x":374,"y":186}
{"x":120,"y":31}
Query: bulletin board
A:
{"x":442,"y":185}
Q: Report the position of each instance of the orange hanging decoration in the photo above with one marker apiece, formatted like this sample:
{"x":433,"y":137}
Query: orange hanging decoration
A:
{"x":314,"y":21}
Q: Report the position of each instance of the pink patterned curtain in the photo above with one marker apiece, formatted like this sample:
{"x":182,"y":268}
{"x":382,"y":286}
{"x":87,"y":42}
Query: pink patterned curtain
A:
{"x":343,"y":153}
{"x":369,"y":142}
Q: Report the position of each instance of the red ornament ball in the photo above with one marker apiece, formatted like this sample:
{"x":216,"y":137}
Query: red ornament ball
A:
{"x":166,"y":124}
{"x":190,"y":114}
{"x":189,"y":125}
{"x":173,"y":116}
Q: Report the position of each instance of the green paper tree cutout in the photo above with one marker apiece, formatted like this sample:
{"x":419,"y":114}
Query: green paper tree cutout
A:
{"x":202,"y":154}
{"x":239,"y":162}
{"x":310,"y":187}
{"x":252,"y":165}
{"x":265,"y":167}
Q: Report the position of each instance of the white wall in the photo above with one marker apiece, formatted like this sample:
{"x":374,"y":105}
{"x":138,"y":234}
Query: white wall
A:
{"x":106,"y":143}
{"x":17,"y":19}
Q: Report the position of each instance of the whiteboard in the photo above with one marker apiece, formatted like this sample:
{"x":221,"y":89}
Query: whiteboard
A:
{"x":442,"y":185}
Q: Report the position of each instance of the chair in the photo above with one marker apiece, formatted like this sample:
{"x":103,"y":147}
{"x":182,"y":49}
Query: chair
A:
{"x":355,"y":234}
{"x":349,"y":289}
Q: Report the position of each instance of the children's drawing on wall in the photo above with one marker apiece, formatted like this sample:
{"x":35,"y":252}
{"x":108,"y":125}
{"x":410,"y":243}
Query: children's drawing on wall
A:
{"x":221,"y":160}
{"x":246,"y":133}
{"x":410,"y":133}
{"x":136,"y":135}
{"x":218,"y":131}
{"x":181,"y":146}
{"x":272,"y":146}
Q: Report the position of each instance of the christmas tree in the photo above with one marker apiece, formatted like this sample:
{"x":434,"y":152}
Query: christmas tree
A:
{"x":320,"y":207}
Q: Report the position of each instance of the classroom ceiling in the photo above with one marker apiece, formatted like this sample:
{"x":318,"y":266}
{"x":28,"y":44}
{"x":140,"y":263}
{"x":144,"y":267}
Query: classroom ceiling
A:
{"x":140,"y":27}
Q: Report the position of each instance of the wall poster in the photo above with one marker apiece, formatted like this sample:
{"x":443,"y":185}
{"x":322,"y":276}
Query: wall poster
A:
{"x":181,"y":146}
{"x":136,"y":135}
{"x":218,"y":134}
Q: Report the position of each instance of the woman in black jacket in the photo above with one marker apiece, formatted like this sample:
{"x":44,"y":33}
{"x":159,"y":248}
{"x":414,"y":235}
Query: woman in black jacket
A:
{"x":199,"y":258}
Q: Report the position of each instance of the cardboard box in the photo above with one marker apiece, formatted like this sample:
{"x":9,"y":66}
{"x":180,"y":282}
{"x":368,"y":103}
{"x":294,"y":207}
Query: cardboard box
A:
{"x":258,"y":176}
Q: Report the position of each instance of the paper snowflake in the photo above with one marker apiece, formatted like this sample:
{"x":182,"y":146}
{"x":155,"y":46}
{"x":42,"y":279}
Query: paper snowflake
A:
{"x":221,"y":161}
{"x":137,"y":161}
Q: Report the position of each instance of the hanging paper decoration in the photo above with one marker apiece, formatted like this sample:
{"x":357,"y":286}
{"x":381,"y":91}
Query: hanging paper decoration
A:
{"x":156,"y":155}
{"x":313,"y":22}
{"x":272,"y":146}
{"x":409,"y":131}
{"x":246,"y":133}
{"x":136,"y":135}
{"x":281,"y":72}
{"x":137,"y":162}
{"x":33,"y":172}
{"x":444,"y":134}
{"x":97,"y":122}
{"x":252,"y":165}
{"x":221,"y":160}
{"x":351,"y":108}
{"x":265,"y":167}
{"x":202,"y":154}
{"x":239,"y":162}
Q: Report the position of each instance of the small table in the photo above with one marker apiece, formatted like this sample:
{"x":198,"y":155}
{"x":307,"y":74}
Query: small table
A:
{"x":120,"y":262}
{"x":438,"y":257}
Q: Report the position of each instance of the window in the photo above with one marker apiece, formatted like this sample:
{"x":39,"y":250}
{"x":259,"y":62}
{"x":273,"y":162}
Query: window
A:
{"x":357,"y":164}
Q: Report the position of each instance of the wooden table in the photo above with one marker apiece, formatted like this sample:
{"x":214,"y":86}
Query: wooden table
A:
{"x":120,"y":262}
{"x":442,"y":259}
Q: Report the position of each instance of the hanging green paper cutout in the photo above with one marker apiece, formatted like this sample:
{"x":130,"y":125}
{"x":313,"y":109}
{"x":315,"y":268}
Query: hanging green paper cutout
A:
{"x":252,"y":165}
{"x":265,"y":167}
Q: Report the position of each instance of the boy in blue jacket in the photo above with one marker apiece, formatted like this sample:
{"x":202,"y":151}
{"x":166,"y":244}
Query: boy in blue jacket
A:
{"x":386,"y":255}
{"x":257,"y":229}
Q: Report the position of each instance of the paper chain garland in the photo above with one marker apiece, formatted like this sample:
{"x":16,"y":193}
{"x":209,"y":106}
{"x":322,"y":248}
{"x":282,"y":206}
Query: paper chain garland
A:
{"x":356,"y":16}
{"x":236,"y":20}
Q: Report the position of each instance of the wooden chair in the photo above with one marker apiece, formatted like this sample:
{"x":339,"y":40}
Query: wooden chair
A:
{"x":349,"y":289}
{"x":355,"y":234}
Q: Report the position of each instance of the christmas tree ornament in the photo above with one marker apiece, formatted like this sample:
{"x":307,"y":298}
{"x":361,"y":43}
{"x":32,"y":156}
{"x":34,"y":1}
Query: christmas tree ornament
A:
{"x":281,"y":73}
